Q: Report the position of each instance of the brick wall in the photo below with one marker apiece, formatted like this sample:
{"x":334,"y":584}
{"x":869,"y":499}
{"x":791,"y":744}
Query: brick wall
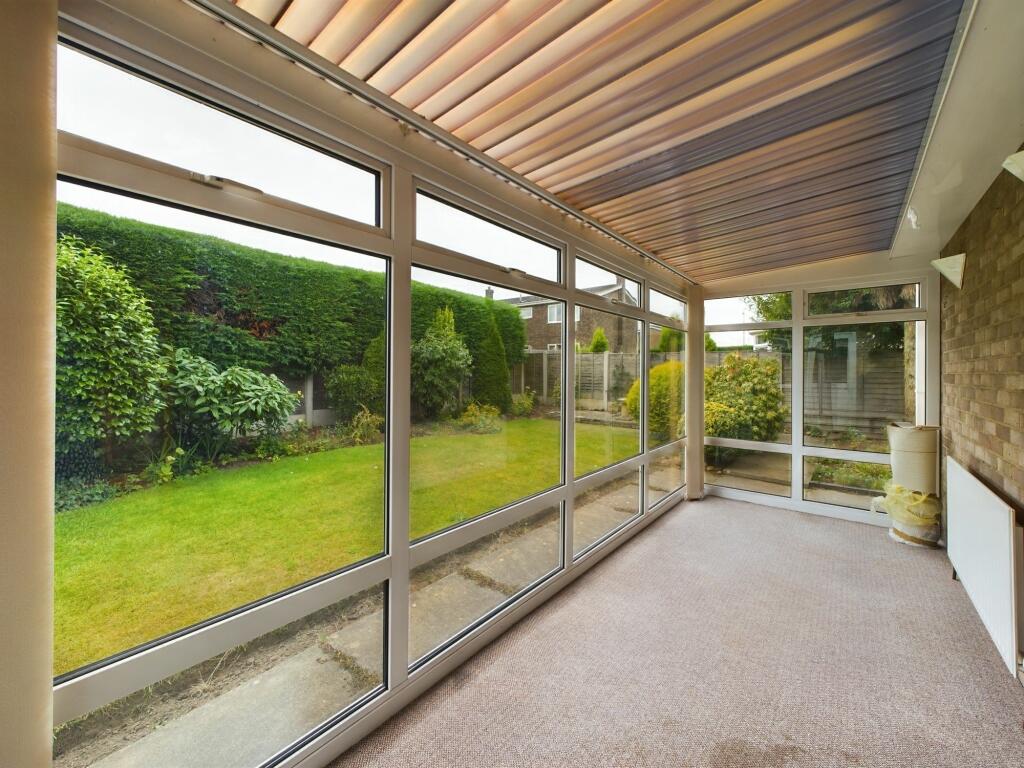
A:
{"x":983,"y":342}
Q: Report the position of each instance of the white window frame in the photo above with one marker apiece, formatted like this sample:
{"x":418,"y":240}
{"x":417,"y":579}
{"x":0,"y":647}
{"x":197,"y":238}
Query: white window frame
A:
{"x":926,"y":379}
{"x":266,"y":87}
{"x":554,"y":314}
{"x":526,"y":313}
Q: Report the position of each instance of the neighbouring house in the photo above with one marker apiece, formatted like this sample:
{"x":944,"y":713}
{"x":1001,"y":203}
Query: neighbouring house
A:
{"x":543,"y":319}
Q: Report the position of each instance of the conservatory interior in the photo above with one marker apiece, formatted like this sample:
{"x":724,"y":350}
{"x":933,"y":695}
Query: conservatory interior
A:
{"x":512,"y":382}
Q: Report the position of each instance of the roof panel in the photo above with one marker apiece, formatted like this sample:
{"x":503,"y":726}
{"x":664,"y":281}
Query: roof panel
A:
{"x":722,"y":135}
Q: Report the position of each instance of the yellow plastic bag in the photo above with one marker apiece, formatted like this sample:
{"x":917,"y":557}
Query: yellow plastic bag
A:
{"x":915,"y":516}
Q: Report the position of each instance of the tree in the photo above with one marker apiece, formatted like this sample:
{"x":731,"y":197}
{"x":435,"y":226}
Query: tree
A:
{"x":598,"y":341}
{"x":671,"y":341}
{"x":709,"y":343}
{"x":440,"y":361}
{"x":108,"y":357}
{"x":664,"y":401}
{"x":492,"y":384}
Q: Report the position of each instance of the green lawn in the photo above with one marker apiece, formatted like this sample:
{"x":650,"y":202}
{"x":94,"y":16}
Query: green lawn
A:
{"x":136,"y":567}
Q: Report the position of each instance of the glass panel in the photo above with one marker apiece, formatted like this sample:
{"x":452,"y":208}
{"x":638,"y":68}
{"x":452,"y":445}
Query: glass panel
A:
{"x":879,"y":299}
{"x":766,"y":307}
{"x":169,"y":513}
{"x":747,"y":470}
{"x":106,"y":104}
{"x":240,"y":708}
{"x":666,"y":394}
{"x":857,"y":379}
{"x":665,"y":475}
{"x":611,"y":285}
{"x":445,"y":225}
{"x":452,"y":592}
{"x":486,"y":399}
{"x":604,"y":508}
{"x":748,"y":388}
{"x":608,"y":367}
{"x":666,"y":305}
{"x":846,"y":483}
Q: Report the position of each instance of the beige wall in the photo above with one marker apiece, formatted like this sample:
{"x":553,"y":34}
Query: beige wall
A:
{"x":27,"y":171}
{"x":983,"y":342}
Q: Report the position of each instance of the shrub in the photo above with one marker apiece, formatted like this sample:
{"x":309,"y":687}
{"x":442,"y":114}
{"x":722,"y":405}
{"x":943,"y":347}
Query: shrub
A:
{"x":351,"y":388}
{"x":523,"y":404}
{"x":665,"y":396}
{"x":108,"y":357}
{"x":207,"y":408}
{"x":75,"y":493}
{"x":365,"y":427}
{"x":482,"y":419}
{"x":598,"y":341}
{"x":752,"y":388}
{"x":440,"y":361}
{"x":709,"y":343}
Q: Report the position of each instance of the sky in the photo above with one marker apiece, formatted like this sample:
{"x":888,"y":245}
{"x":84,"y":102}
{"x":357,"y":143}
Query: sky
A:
{"x":105,"y":104}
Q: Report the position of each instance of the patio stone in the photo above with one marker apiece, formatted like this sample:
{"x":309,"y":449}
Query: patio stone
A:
{"x":446,"y":606}
{"x":519,"y":562}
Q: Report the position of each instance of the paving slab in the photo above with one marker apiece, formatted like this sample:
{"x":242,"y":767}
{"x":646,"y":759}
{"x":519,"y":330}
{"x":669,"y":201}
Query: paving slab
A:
{"x":362,"y":641}
{"x":519,"y":562}
{"x":249,"y":723}
{"x":595,"y":518}
{"x":445,"y":607}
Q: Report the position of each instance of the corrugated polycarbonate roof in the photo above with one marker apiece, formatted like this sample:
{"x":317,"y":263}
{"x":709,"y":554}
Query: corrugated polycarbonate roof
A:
{"x":724,"y":136}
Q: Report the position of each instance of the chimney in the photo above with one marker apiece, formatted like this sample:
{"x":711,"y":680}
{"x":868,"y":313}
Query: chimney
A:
{"x":489,"y":293}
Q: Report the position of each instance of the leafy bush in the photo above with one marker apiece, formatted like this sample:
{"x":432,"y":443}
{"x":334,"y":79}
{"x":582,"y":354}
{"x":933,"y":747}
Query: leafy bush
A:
{"x":751,"y":387}
{"x":709,"y":343}
{"x":671,"y":341}
{"x":523,"y":404}
{"x":482,"y":419}
{"x":75,"y":493}
{"x":365,"y":427}
{"x":665,"y":396}
{"x":440,"y":362}
{"x":207,"y":408}
{"x":351,"y":388}
{"x":598,"y":341}
{"x":108,"y":357}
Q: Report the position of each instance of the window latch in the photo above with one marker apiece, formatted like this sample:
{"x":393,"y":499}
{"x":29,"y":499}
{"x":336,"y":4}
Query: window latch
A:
{"x":219,"y":182}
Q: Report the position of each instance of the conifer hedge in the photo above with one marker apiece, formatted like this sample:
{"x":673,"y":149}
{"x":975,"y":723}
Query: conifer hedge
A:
{"x":237,"y":305}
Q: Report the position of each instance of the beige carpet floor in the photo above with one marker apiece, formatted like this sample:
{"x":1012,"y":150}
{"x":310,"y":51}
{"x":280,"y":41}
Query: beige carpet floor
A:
{"x":730,"y":635}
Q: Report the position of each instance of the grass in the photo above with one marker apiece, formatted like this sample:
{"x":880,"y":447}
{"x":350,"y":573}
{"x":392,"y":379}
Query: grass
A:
{"x":136,"y":567}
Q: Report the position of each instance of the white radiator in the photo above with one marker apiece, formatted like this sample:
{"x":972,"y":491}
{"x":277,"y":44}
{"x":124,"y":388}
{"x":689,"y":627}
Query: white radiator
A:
{"x":984,"y":547}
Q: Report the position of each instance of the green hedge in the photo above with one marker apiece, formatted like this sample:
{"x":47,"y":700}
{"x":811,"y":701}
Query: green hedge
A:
{"x":236,"y":305}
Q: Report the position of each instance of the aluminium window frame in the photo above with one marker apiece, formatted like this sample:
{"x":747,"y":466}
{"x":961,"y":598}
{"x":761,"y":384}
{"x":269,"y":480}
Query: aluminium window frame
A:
{"x":258,"y":83}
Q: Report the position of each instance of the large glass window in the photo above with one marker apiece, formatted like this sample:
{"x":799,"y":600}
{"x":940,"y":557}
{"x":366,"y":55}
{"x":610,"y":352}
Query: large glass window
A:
{"x":486,"y":401}
{"x":857,"y":379}
{"x":846,"y":483}
{"x":452,"y":592}
{"x":759,"y":308}
{"x":106,"y":104}
{"x":877,"y":299}
{"x":601,"y":509}
{"x":748,"y":385}
{"x":609,"y":356}
{"x":239,"y":708}
{"x":610,"y":285}
{"x":195,"y":471}
{"x":746,"y":470}
{"x":443,"y":224}
{"x":666,"y":395}
{"x":665,"y":305}
{"x":665,"y":475}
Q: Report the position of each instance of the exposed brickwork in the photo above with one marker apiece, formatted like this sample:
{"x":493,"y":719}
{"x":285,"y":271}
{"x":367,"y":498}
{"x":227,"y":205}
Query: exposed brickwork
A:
{"x":983,"y":342}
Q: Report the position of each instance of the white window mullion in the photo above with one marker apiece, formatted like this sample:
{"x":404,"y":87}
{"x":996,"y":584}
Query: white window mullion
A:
{"x":399,"y":424}
{"x":569,"y":406}
{"x":797,"y":404}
